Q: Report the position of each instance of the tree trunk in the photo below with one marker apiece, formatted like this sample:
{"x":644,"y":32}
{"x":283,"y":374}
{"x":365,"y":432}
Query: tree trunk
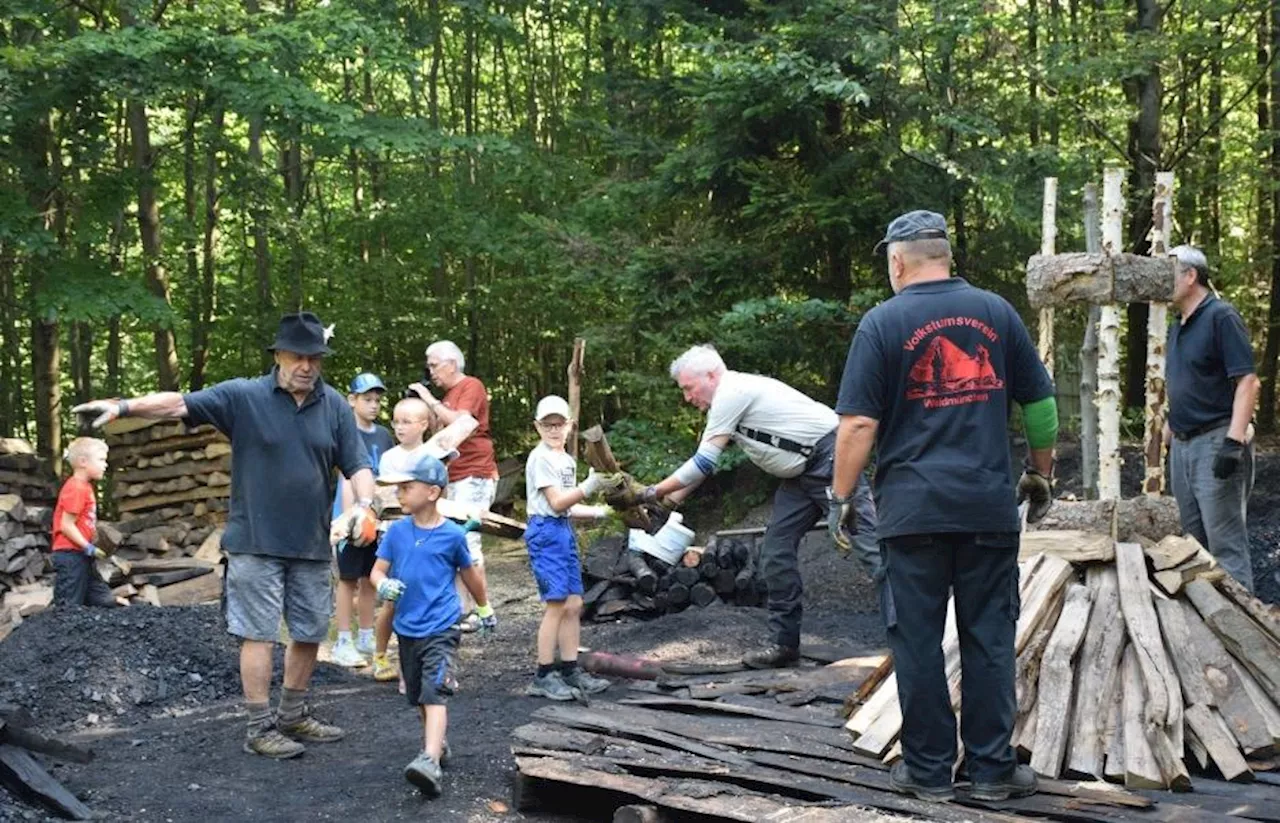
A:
{"x":81,"y":339}
{"x":1108,"y":398}
{"x":205,"y":294}
{"x":1144,"y":92}
{"x":1089,"y":358}
{"x":13,"y":421}
{"x":190,"y":254}
{"x":1267,"y":412}
{"x":1212,"y":188}
{"x":256,"y":184}
{"x":1158,"y":323}
{"x":1048,"y":242}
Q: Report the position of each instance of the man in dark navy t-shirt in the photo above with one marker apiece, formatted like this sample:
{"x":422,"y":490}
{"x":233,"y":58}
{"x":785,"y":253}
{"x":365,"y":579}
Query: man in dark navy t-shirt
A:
{"x":1212,"y":392}
{"x":930,"y":379}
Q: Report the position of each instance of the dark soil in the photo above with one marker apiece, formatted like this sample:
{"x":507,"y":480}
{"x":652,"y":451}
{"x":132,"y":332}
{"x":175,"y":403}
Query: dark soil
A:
{"x":155,"y":693}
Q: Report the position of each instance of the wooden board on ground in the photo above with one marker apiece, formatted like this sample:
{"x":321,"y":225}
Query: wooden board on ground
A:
{"x":1069,"y":544}
{"x":25,"y":777}
{"x":1218,"y":743}
{"x":203,"y":589}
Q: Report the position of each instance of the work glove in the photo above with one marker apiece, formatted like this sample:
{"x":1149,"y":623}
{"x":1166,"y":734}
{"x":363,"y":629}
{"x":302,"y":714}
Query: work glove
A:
{"x":362,"y":525}
{"x":472,"y":525}
{"x":102,"y":411}
{"x":629,"y":494}
{"x":840,"y":512}
{"x":390,"y":589}
{"x":1037,"y":491}
{"x":488,"y":620}
{"x":592,"y":484}
{"x":91,"y":550}
{"x":1228,"y":459}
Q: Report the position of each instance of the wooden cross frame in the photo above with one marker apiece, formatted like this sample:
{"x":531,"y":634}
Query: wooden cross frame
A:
{"x":1108,"y":279}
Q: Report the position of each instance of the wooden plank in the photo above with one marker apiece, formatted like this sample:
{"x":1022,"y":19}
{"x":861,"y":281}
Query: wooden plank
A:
{"x":1218,"y":743}
{"x":1113,"y":733}
{"x":1172,"y":551}
{"x":1270,"y":713}
{"x":881,"y":699}
{"x":182,"y":469}
{"x":729,"y":708}
{"x":170,"y":577}
{"x":22,"y":774}
{"x":204,"y":589}
{"x":33,"y":742}
{"x":1246,"y":722}
{"x":155,"y":501}
{"x":1072,"y":545}
{"x":1163,"y":706}
{"x":1266,"y":615}
{"x":1140,"y":768}
{"x":1173,"y":624}
{"x":1057,"y":681}
{"x":1099,"y":669}
{"x":1050,"y":575}
{"x":1246,"y":640}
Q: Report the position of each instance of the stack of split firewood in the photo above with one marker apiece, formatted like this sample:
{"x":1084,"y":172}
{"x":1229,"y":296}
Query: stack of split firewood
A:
{"x":168,"y":468}
{"x":27,"y":494}
{"x":1133,"y":664}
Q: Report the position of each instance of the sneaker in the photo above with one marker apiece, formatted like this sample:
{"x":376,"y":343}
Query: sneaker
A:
{"x":552,"y":687}
{"x":307,"y":728}
{"x":384,"y":671}
{"x":269,"y":742}
{"x":900,"y":780}
{"x":400,"y":687}
{"x":345,"y":654}
{"x":773,"y":657}
{"x":364,"y":645}
{"x":1021,"y":783}
{"x":470,"y":623}
{"x":584,"y":682}
{"x":424,"y":773}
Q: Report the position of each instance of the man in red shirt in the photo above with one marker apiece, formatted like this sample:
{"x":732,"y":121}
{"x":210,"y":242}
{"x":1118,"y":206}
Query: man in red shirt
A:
{"x":473,"y":474}
{"x":75,"y":522}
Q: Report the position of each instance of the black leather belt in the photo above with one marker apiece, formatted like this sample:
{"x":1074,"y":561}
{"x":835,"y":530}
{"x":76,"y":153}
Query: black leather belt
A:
{"x":777,"y":441}
{"x":1199,"y":430}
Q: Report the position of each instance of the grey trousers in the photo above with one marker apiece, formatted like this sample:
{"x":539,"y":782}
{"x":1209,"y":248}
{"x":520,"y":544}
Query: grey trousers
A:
{"x":798,"y":505}
{"x":1214,"y":511}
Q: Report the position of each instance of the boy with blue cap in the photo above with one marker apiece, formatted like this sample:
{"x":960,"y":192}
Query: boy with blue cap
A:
{"x":364,"y":395}
{"x":417,"y":560}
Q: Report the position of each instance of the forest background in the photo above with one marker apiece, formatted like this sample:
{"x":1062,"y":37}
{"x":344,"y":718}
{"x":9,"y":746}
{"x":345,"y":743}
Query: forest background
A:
{"x":645,"y":174}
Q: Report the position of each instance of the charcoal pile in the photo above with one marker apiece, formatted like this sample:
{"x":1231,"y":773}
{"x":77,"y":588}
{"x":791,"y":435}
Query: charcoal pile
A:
{"x":621,"y":581}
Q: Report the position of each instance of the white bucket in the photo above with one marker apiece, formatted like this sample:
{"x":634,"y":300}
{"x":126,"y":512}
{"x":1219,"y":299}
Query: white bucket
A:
{"x":674,"y":538}
{"x":638,"y":540}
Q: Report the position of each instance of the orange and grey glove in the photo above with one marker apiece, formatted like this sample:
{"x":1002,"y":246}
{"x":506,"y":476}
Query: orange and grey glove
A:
{"x":362,"y":524}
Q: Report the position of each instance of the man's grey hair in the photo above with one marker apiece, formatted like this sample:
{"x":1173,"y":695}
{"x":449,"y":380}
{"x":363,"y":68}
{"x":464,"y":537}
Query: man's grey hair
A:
{"x":1189,"y":257}
{"x":702,"y":359}
{"x":929,"y":249}
{"x":448,"y":350}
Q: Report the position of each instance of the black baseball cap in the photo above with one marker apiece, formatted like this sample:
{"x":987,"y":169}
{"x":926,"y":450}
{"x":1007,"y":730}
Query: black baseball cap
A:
{"x":914,"y":225}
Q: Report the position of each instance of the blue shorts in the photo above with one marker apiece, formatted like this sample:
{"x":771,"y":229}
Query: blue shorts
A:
{"x":553,"y":554}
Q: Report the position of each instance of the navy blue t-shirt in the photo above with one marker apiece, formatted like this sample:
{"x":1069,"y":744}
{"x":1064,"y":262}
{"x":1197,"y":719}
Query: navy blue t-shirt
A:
{"x":1204,"y":357}
{"x":426,"y":561}
{"x":938,"y":366}
{"x":282,"y":458}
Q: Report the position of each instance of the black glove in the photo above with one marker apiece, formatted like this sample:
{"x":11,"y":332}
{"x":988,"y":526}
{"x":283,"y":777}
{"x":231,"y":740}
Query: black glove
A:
{"x":1230,"y":453}
{"x":1037,"y":489}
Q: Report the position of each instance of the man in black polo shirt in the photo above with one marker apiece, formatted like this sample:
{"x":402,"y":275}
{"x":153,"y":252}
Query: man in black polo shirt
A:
{"x":1212,"y":392}
{"x":929,"y":380}
{"x":288,"y":432}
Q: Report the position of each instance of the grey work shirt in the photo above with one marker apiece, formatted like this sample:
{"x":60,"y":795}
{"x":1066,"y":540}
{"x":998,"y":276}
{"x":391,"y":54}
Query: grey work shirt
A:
{"x":283,"y":456}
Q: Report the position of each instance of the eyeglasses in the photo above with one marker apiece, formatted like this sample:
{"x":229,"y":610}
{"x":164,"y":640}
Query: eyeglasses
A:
{"x":433,"y":366}
{"x":552,"y":426}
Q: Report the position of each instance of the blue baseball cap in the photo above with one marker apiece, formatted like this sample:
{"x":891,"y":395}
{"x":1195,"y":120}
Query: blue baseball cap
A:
{"x":366,"y":382}
{"x":424,"y":468}
{"x":914,"y":225}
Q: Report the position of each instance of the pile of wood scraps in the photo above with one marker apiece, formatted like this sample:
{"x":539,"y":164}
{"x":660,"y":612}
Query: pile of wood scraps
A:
{"x":1135,"y":666}
{"x":23,"y":775}
{"x":28,"y":491}
{"x":768,"y":745}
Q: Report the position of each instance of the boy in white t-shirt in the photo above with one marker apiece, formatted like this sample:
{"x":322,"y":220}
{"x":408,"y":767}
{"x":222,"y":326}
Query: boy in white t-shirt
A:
{"x":553,"y":497}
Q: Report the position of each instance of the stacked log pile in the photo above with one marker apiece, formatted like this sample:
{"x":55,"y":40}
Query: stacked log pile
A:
{"x":28,"y":491}
{"x":620,"y":581}
{"x":1133,"y":665}
{"x":170,"y":469}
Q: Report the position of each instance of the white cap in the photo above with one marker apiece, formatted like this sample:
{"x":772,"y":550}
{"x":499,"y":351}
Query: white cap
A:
{"x":552,"y":404}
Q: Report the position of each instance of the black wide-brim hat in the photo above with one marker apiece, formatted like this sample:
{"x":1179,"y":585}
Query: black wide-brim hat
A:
{"x":301,"y":333}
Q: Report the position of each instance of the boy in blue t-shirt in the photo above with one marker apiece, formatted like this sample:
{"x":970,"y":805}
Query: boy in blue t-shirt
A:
{"x":424,"y":551}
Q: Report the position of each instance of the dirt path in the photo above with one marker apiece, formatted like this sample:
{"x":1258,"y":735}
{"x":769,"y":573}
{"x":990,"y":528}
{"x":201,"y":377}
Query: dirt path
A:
{"x":172,"y":752}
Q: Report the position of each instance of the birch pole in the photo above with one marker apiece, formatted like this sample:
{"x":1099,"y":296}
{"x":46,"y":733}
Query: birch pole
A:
{"x":1048,"y":239}
{"x":1089,"y":358}
{"x":1153,"y":480}
{"x":1108,"y":397}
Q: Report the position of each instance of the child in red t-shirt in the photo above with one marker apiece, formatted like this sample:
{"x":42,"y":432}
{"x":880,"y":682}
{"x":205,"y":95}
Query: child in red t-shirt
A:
{"x":75,"y":522}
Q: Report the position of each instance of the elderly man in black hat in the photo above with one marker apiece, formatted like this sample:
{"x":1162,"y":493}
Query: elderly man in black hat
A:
{"x":288,"y":431}
{"x":929,"y":382}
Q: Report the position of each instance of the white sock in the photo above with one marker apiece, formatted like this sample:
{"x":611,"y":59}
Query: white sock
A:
{"x":344,"y":637}
{"x":366,"y":635}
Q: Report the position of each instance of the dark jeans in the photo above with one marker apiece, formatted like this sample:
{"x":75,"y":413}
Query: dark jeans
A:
{"x":981,"y":570}
{"x":798,"y":505}
{"x":77,"y":582}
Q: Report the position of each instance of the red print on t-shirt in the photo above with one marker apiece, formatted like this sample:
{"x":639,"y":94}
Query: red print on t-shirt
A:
{"x":946,"y":375}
